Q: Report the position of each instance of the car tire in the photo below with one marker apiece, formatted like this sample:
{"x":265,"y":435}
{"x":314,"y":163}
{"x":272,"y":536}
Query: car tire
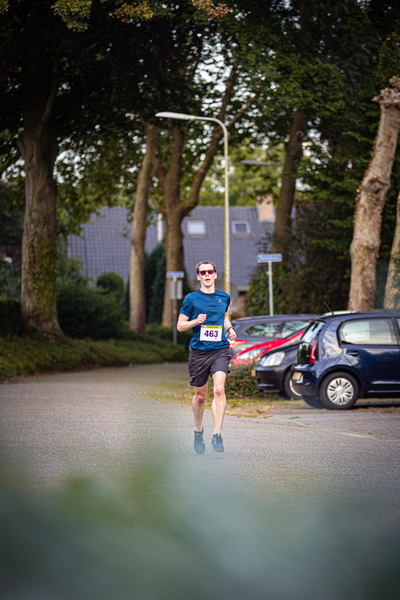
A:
{"x":288,"y":388}
{"x":339,"y":391}
{"x":313,"y":401}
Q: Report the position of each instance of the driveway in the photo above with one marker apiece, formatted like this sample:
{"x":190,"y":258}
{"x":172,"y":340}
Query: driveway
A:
{"x":89,"y":423}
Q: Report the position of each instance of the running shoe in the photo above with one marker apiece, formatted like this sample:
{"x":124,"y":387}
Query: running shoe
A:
{"x":216,"y":443}
{"x":199,"y":444}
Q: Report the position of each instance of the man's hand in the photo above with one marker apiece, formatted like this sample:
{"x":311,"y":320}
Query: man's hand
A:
{"x":200,"y":319}
{"x":232,"y":334}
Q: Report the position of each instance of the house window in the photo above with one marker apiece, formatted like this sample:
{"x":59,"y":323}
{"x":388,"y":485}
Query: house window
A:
{"x":194,"y":227}
{"x":241,"y":228}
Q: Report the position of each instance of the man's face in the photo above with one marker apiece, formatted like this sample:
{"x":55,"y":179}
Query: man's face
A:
{"x":206,"y":275}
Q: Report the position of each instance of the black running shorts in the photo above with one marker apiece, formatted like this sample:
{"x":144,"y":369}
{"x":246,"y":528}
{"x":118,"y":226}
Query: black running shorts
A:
{"x":204,"y":363}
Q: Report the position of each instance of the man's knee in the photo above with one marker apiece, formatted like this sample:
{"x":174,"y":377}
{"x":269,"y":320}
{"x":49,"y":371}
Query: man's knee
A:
{"x":200,"y":395}
{"x":219,"y":391}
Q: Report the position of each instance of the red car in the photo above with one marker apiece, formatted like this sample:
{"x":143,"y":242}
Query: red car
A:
{"x":254,"y":352}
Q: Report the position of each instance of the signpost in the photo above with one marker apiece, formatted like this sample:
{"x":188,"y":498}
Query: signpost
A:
{"x":269,"y":258}
{"x":175,"y":293}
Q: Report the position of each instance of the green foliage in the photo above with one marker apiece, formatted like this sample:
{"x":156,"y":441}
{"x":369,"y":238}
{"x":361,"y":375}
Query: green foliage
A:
{"x":83,"y":310}
{"x":240,"y":383}
{"x":318,"y":268}
{"x":11,"y":228}
{"x":48,"y":352}
{"x":10,"y":280}
{"x":9,"y":314}
{"x":111,"y":283}
{"x":154,"y":276}
{"x":183,"y":337}
{"x":246,"y":182}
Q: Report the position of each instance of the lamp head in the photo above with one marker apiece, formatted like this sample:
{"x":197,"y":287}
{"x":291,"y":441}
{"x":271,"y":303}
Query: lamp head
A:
{"x":173,"y":115}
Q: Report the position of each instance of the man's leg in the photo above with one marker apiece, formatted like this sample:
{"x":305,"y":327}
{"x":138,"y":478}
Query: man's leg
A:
{"x":219,"y":401}
{"x":198,"y":403}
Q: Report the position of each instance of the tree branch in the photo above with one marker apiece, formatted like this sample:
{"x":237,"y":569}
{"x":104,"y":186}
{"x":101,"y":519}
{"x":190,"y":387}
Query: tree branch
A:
{"x":212,"y":149}
{"x":113,"y":161}
{"x":244,"y":110}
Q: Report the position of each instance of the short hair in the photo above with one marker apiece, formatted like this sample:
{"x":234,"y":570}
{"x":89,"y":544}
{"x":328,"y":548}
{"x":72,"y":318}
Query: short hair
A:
{"x":205,"y":262}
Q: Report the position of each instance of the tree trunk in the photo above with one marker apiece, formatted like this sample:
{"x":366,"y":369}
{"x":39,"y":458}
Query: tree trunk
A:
{"x":174,"y":261}
{"x":294,"y":152}
{"x":137,"y":300}
{"x":370,"y":200}
{"x":392,"y":289}
{"x":173,"y":208}
{"x":173,"y":214}
{"x":38,"y":147}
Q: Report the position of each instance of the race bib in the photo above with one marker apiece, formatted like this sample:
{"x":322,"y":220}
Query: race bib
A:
{"x":211,"y":333}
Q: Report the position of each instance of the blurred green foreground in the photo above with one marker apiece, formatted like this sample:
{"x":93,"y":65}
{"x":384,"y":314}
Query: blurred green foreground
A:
{"x":201,"y":540}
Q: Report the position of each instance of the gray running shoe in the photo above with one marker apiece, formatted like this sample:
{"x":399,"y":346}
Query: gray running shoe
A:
{"x":199,"y":444}
{"x":216,"y":443}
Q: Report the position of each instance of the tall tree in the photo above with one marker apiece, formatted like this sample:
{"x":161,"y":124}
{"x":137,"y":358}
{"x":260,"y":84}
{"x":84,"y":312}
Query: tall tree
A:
{"x":54,"y":56}
{"x":294,"y":153}
{"x":370,"y":201}
{"x":180,"y":67}
{"x":392,"y":289}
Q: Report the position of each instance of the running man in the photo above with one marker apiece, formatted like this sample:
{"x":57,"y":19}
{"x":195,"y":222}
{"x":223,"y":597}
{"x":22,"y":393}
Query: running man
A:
{"x":206,"y":312}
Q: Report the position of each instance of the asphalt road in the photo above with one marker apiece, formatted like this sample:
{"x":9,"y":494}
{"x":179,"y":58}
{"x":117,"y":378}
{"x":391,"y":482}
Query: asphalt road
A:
{"x":133,"y":426}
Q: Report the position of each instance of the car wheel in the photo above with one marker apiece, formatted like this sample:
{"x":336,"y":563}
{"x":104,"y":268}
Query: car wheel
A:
{"x":313,"y":401}
{"x":339,"y":391}
{"x":288,"y":387}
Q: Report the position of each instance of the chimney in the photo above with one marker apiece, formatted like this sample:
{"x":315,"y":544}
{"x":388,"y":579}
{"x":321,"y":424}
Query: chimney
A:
{"x":265,"y":208}
{"x":159,"y":228}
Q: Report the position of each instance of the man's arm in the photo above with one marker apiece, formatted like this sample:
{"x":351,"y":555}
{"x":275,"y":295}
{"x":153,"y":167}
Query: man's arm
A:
{"x":228,"y":325}
{"x":184,"y":324}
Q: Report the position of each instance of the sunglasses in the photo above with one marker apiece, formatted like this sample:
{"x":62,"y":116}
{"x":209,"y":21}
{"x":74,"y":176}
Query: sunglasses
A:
{"x":202,"y":273}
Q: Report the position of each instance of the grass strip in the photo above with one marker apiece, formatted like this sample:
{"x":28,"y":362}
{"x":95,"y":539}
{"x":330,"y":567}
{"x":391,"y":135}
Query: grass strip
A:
{"x":47,"y":352}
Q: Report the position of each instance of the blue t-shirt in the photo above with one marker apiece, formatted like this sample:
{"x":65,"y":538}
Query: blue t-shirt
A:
{"x":214,"y":306}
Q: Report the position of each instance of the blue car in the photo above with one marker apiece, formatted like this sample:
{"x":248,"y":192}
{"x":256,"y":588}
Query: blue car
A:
{"x":345,"y":356}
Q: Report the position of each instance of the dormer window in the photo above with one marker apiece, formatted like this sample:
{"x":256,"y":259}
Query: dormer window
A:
{"x":241,"y":228}
{"x":196,"y":227}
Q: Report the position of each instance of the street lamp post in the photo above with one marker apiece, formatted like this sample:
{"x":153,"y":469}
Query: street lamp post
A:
{"x":172,"y":115}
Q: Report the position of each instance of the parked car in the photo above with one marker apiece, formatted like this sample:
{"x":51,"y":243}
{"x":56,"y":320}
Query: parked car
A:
{"x":255,"y":330}
{"x":345,"y":356}
{"x":273,"y":371}
{"x":254,"y":352}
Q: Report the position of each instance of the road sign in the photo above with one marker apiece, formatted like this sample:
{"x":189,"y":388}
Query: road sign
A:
{"x":176,"y":290}
{"x":175,"y":274}
{"x":264,"y":258}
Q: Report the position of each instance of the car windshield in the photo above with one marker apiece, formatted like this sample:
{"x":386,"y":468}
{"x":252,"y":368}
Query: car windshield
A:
{"x":292,"y":327}
{"x":263,"y":329}
{"x":312,"y":331}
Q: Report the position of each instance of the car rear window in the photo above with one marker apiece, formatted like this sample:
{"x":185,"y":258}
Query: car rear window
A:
{"x":368,"y":332}
{"x":292,"y":327}
{"x":312,"y":331}
{"x":263,"y":329}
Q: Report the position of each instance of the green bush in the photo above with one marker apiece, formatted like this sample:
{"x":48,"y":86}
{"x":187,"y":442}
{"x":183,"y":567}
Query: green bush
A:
{"x":183,"y":337}
{"x":10,"y":280}
{"x":84,"y":311}
{"x":49,"y":352}
{"x":240,"y":382}
{"x":111,"y":283}
{"x":155,"y":268}
{"x":9,"y":313}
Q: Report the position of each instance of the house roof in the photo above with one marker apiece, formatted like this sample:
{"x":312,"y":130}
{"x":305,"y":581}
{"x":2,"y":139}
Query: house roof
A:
{"x":104,"y":243}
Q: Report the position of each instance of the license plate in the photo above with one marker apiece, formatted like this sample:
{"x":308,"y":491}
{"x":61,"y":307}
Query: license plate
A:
{"x":253,"y":372}
{"x":297,"y":376}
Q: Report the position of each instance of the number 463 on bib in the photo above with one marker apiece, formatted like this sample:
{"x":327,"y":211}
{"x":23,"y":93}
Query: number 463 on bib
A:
{"x":211,"y":333}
